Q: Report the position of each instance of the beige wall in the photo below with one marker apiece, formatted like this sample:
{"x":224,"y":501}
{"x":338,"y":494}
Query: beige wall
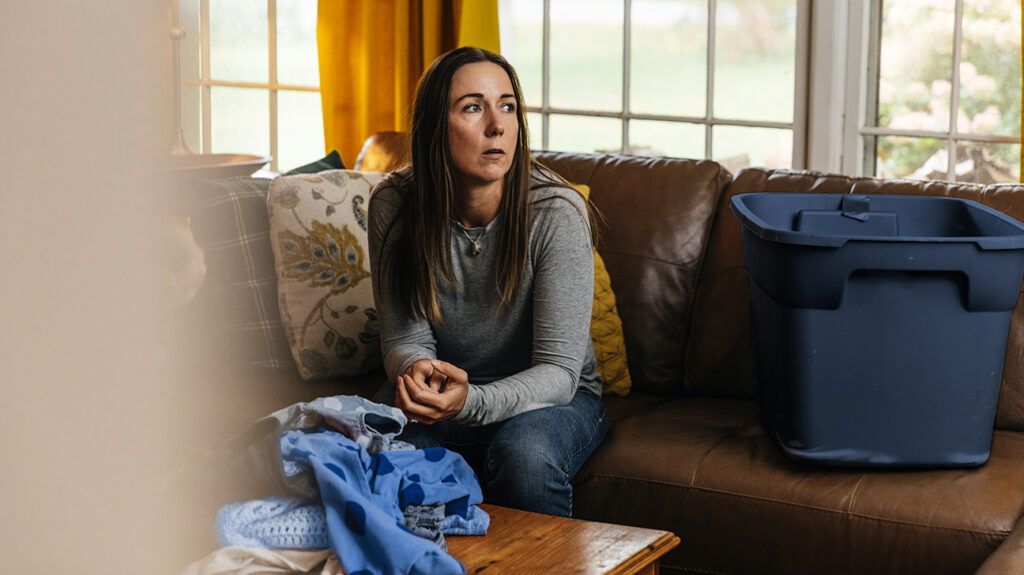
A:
{"x":89,"y":416}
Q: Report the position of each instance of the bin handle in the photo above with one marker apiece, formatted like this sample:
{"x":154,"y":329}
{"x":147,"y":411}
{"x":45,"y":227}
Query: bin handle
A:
{"x":980,"y":296}
{"x":856,"y":207}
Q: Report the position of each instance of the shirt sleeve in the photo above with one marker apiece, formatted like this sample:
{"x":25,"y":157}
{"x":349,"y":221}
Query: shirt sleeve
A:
{"x":563,"y":293}
{"x":403,"y":340}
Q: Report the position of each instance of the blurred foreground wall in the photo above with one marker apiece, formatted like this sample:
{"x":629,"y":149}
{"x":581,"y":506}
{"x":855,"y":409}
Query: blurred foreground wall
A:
{"x":91,"y":425}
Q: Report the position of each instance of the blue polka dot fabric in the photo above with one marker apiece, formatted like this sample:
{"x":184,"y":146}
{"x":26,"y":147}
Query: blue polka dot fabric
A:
{"x":363,"y":497}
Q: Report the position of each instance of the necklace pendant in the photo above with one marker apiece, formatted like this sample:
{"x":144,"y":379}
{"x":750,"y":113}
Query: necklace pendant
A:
{"x":475,"y":250}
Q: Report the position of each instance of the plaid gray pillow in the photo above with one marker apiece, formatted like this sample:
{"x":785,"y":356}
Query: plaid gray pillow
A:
{"x":237,"y":305}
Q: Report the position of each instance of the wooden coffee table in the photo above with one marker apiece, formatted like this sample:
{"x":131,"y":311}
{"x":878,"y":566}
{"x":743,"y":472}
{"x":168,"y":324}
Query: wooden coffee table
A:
{"x":528,"y":543}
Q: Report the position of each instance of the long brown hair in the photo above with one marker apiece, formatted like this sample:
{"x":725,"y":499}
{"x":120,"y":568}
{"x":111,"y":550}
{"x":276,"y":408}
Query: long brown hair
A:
{"x":422,"y":253}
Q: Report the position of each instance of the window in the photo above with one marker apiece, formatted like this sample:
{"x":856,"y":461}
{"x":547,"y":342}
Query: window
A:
{"x":718,"y":79}
{"x":942,"y":81}
{"x":250,"y":79}
{"x":864,"y":87}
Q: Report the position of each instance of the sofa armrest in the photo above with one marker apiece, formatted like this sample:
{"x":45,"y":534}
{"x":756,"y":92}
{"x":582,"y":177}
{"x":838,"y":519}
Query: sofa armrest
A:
{"x":1009,"y":557}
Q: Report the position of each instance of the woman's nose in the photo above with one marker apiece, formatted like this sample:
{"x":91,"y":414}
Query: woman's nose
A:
{"x":495,"y":125}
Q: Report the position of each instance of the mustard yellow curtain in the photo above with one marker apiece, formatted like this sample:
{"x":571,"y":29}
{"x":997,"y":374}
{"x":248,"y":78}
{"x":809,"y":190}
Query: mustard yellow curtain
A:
{"x":372,"y":53}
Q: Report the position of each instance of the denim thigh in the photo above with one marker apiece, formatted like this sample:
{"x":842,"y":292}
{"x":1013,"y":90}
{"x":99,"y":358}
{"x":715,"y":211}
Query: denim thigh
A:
{"x":564,"y":435}
{"x":559,"y":437}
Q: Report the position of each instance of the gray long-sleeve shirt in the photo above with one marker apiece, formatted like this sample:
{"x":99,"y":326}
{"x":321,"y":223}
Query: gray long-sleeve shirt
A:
{"x":531,"y":354}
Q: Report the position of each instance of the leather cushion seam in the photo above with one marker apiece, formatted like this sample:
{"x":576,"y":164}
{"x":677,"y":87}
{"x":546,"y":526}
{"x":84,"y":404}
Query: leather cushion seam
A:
{"x":990,"y":534}
{"x":685,"y":267}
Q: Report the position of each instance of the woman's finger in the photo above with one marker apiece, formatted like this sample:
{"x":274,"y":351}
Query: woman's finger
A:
{"x":409,"y":406}
{"x":420,"y":370}
{"x":450,"y":370}
{"x":437,"y":380}
{"x":416,"y":412}
{"x":401,"y":395}
{"x":423,"y":395}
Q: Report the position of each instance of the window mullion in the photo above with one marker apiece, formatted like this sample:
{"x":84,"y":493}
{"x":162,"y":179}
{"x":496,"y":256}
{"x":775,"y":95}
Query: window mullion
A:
{"x":828,"y":85}
{"x":864,"y":21}
{"x":272,"y":71}
{"x":802,"y":65}
{"x":626,"y":26}
{"x":709,"y":93}
{"x":204,"y":50}
{"x":546,"y":72}
{"x":954,"y":97}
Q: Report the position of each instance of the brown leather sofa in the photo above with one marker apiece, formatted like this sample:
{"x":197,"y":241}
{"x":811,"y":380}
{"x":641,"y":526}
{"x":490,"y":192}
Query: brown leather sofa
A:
{"x":686,"y":452}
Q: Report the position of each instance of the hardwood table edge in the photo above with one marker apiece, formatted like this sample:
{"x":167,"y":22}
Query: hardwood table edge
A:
{"x":636,"y":564}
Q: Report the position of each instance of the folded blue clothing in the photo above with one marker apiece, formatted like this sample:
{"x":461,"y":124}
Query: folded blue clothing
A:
{"x":363,"y":497}
{"x":476,"y":522}
{"x":274,"y":523}
{"x":278,"y":523}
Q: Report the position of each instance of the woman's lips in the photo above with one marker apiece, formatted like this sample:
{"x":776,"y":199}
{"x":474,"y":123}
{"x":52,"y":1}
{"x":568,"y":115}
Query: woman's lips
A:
{"x":494,"y":153}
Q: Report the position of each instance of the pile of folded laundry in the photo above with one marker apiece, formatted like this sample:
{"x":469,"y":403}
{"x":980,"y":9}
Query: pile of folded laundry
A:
{"x":356,"y":500}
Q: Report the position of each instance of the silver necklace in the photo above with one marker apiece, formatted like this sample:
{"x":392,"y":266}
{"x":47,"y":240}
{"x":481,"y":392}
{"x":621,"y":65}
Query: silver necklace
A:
{"x":475,"y":250}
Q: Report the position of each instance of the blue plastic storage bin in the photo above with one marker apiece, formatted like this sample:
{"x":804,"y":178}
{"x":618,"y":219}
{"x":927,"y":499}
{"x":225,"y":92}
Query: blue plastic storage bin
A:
{"x":880,"y":324}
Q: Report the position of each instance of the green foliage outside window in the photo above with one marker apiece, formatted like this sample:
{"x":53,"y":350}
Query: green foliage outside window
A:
{"x":915,"y":79}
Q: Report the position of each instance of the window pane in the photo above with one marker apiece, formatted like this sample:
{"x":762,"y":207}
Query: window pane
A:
{"x":238,"y":40}
{"x":987,"y":163}
{"x":192,"y":116}
{"x":990,"y":68}
{"x":676,"y":139}
{"x":916,"y":63}
{"x":188,"y":19}
{"x":668,"y":57}
{"x":535,"y":123}
{"x":522,"y":40}
{"x":755,"y":59}
{"x":583,"y":134}
{"x":239,"y":121}
{"x":300,"y":129}
{"x":916,"y":158}
{"x":586,"y":54}
{"x":296,"y":43}
{"x":738,"y":147}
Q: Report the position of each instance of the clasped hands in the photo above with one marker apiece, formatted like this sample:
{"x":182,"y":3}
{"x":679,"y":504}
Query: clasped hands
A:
{"x":431,"y":390}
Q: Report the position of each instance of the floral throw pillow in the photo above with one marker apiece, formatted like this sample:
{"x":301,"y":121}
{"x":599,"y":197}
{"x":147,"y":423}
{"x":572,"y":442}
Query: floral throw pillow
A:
{"x":325,"y":295}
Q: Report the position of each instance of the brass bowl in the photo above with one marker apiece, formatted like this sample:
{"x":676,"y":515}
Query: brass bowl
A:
{"x":211,"y":166}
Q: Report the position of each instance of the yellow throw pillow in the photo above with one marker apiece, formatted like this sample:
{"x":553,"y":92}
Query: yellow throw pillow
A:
{"x":606,"y":327}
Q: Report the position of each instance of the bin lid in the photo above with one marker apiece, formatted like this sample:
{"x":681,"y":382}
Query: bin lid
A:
{"x":831,"y":220}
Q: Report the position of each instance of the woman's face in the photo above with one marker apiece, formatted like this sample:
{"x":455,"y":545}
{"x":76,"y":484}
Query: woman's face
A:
{"x":482,"y":123}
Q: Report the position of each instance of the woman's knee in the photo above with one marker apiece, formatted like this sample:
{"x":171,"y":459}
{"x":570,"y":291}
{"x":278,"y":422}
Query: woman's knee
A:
{"x":522,"y":476}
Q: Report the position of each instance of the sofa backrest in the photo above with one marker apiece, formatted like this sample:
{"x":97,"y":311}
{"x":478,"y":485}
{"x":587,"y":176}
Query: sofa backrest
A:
{"x":657,"y":216}
{"x":675,"y":255}
{"x":720,"y":356}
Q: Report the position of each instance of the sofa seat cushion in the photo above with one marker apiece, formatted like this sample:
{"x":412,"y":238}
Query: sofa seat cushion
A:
{"x":620,"y":408}
{"x":704,"y":469}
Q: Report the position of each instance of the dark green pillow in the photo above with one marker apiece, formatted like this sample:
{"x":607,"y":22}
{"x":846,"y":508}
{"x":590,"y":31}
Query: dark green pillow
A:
{"x":331,"y":161}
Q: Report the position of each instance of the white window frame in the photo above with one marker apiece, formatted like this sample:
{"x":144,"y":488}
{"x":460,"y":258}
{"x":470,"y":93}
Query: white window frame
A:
{"x":206,"y":82}
{"x":844,"y":60}
{"x":800,"y":117}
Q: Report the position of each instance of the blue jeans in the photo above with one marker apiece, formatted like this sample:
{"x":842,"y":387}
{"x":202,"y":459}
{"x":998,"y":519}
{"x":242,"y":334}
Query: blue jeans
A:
{"x":528,"y":460}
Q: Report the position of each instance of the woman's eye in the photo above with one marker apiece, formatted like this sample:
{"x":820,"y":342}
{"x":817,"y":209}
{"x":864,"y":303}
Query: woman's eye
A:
{"x":472,"y":108}
{"x":508,"y":107}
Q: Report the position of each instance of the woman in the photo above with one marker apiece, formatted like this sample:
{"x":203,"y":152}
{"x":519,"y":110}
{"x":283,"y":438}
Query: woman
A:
{"x":483,"y":279}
